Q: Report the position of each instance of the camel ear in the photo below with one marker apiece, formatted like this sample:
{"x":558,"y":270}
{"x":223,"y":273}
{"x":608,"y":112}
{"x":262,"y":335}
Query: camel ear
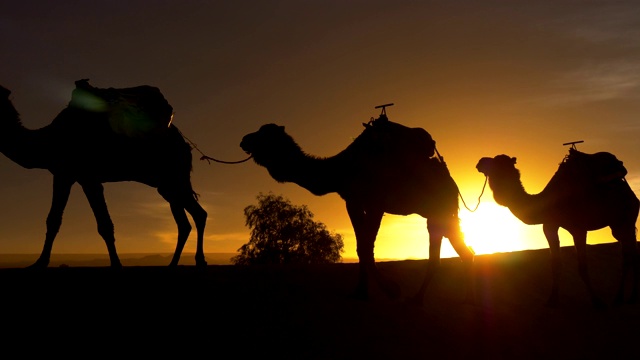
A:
{"x":513,"y":159}
{"x":281,"y":128}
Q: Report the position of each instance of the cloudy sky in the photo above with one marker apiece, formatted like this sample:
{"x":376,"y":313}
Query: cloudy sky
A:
{"x":483,"y":77}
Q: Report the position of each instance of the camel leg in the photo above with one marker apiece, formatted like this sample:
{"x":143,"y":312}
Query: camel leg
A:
{"x":551,"y":233}
{"x":365,"y":226}
{"x":435,"y":243}
{"x":184,"y":229}
{"x":437,"y":230}
{"x":95,"y":194}
{"x":630,"y":263}
{"x":364,"y":249}
{"x":456,"y":238}
{"x":179,"y":202}
{"x":580,"y":243}
{"x":199,"y":216}
{"x":634,"y":259}
{"x":61,"y":191}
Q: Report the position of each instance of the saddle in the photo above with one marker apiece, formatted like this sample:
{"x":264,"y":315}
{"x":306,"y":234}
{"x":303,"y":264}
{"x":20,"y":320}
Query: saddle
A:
{"x":392,"y":137}
{"x":138,"y":111}
{"x":600,"y":167}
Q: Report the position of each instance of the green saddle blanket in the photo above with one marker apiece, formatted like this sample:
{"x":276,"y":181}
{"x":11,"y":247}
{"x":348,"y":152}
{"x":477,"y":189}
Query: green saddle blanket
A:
{"x":135,"y":112}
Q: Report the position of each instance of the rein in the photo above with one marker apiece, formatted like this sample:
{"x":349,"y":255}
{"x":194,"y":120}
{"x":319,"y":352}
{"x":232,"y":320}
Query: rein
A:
{"x":482,"y":192}
{"x":208,"y":158}
{"x":459,"y":193}
{"x":205,"y":157}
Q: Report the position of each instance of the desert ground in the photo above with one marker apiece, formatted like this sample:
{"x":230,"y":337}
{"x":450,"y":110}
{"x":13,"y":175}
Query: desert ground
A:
{"x":307,"y":312}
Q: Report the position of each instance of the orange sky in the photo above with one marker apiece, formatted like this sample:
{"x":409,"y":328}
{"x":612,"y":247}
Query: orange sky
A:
{"x":484,"y":78}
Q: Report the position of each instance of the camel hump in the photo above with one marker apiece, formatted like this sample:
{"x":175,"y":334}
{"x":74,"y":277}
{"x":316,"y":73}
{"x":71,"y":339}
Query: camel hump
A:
{"x":601,"y":166}
{"x":395,"y":137}
{"x":135,"y":112}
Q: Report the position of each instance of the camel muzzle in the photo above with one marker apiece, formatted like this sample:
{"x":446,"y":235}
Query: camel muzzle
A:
{"x":483,"y":165}
{"x":245,"y":147}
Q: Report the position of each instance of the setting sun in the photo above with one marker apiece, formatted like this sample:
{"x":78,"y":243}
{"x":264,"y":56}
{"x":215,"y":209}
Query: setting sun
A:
{"x":492,"y":228}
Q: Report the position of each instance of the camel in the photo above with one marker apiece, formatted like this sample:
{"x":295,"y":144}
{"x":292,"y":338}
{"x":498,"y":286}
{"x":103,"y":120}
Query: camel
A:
{"x":388,"y":168}
{"x":587,"y":192}
{"x":81,"y":146}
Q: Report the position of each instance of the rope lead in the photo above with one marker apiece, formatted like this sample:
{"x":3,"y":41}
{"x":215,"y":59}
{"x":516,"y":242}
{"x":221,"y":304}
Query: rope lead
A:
{"x":205,"y":157}
{"x":480,"y":196}
{"x":208,"y":158}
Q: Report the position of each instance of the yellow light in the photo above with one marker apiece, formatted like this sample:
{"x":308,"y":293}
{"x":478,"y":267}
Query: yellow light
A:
{"x":492,"y":228}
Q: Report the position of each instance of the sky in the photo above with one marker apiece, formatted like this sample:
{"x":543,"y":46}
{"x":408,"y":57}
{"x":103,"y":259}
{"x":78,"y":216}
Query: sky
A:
{"x":482,"y":77}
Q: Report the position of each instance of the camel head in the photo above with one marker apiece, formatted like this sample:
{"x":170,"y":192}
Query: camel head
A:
{"x":272,"y":148}
{"x":504,"y":178}
{"x":496,"y":166}
{"x":10,"y":116}
{"x":4,"y":92}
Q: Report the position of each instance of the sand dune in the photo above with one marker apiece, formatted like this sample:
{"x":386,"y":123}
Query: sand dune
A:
{"x":307,"y":312}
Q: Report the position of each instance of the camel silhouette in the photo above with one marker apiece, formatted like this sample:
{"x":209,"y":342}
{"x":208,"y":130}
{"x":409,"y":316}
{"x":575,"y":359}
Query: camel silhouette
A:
{"x":82,"y":145}
{"x":388,"y":168}
{"x":587,"y":192}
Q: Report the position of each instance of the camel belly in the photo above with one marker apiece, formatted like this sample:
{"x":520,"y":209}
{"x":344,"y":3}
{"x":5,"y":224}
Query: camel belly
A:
{"x":406,"y":201}
{"x":426,"y":189}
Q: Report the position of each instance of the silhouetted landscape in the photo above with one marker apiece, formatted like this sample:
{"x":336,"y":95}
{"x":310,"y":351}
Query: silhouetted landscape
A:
{"x":307,"y":312}
{"x":91,"y":260}
{"x":123,"y":103}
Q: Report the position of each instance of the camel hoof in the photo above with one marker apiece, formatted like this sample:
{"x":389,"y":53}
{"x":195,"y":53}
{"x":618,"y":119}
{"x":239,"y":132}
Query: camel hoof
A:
{"x":39,"y":265}
{"x":360,"y":295}
{"x":551,"y":303}
{"x":391,"y":289}
{"x":619,"y":300}
{"x":598,"y":304}
{"x":416,"y":301}
{"x":470,"y":300}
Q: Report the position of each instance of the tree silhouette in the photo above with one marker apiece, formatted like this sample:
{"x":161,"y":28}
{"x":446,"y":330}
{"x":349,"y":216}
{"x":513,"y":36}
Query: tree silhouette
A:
{"x":282,"y":233}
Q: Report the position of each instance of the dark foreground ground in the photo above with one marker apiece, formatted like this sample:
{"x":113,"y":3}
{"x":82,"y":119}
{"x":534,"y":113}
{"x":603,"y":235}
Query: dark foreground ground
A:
{"x":229,"y":312}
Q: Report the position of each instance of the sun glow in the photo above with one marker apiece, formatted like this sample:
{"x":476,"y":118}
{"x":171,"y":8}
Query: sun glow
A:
{"x":492,"y":228}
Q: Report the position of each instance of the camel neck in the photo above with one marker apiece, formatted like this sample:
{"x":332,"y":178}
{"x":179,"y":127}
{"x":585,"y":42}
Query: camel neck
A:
{"x":25,"y":147}
{"x":318,"y":175}
{"x":526,"y":207}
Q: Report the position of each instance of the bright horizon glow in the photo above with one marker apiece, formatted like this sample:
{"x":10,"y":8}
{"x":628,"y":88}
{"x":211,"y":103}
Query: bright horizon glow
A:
{"x":491,"y":229}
